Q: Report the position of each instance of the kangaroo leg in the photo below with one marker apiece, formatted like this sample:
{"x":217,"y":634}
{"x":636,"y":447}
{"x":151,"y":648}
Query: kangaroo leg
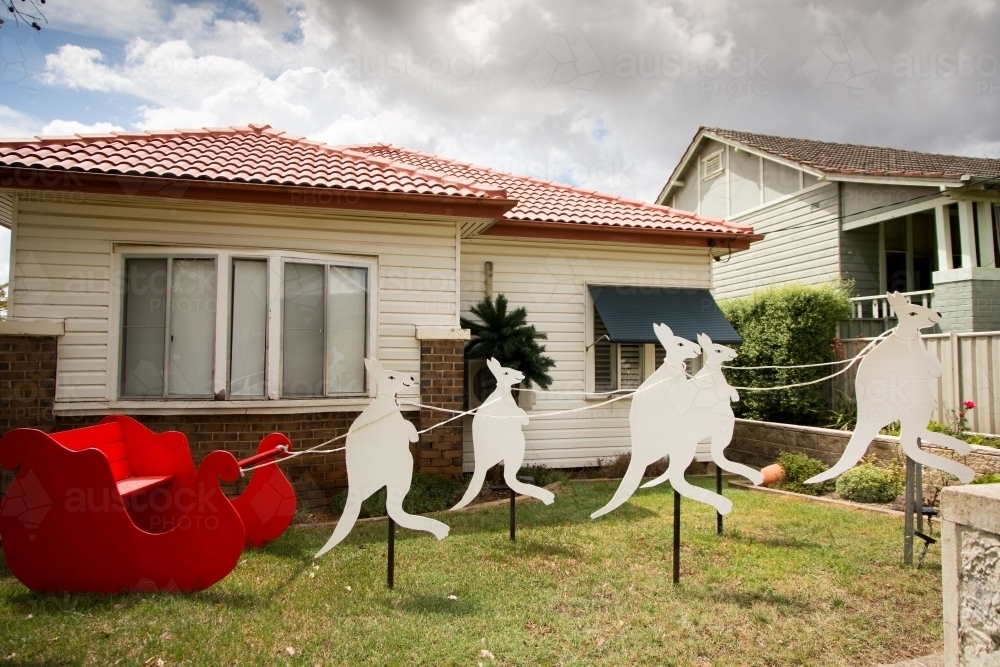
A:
{"x":475,"y":484}
{"x":864,"y":433}
{"x":721,"y":438}
{"x":629,"y":483}
{"x":658,"y":480}
{"x":908,"y":441}
{"x":511,"y":465}
{"x":394,"y":507}
{"x":351,"y":510}
{"x":676,"y":473}
{"x":944,"y":440}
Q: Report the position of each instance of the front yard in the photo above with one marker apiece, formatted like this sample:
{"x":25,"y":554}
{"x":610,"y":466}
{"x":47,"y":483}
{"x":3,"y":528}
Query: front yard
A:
{"x":790,"y":583}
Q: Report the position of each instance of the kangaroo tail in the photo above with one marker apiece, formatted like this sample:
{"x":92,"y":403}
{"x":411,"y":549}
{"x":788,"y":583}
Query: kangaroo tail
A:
{"x":475,"y":486}
{"x":856,"y":448}
{"x":629,"y":483}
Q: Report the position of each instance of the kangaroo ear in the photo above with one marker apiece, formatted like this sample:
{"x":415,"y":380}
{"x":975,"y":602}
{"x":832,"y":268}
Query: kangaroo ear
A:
{"x":663,"y":333}
{"x":493,"y":364}
{"x":373,"y":366}
{"x":704,"y":341}
{"x":896,"y":299}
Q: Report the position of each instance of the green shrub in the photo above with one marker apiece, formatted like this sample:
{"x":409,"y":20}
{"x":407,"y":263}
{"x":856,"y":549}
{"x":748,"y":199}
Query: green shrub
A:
{"x":784,"y":326}
{"x":428,"y":493}
{"x":799,"y":468}
{"x":992,"y":478}
{"x":869,"y":483}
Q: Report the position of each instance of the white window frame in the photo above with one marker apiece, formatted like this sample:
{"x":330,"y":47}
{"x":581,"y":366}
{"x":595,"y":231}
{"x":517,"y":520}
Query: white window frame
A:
{"x":272,"y":366}
{"x":705,"y":175}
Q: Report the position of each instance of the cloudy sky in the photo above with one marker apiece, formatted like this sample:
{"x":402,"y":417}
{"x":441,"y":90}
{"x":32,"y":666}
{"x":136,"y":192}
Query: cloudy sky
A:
{"x":605,"y":95}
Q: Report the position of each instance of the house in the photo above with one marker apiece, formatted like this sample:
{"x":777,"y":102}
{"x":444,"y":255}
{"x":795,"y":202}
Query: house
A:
{"x":228,"y":282}
{"x":884,"y":218}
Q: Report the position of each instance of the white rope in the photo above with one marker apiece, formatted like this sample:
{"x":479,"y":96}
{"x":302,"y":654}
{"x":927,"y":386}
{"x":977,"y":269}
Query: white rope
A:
{"x":764,"y":368}
{"x":457,"y":414}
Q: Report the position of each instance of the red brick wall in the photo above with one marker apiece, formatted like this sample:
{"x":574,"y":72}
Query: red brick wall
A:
{"x":27,"y":390}
{"x":442,"y":384}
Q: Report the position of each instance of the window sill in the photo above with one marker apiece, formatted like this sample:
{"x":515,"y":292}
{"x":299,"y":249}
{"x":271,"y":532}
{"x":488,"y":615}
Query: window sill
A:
{"x":83,"y":408}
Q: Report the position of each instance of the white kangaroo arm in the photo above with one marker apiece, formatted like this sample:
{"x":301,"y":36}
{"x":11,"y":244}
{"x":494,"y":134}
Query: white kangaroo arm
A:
{"x":410,"y":430}
{"x":935,"y":365}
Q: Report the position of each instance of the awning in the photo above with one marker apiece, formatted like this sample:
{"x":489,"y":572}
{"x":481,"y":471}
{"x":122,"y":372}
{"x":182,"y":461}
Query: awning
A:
{"x":629,"y":313}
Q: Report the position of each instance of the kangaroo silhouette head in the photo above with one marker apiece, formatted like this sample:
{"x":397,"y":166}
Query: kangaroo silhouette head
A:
{"x":912,"y":318}
{"x":678,"y":349}
{"x":715,"y":354}
{"x":388,"y":382}
{"x":506,"y":377}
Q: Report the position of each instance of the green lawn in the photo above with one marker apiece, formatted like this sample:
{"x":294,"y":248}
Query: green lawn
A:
{"x":790,"y":583}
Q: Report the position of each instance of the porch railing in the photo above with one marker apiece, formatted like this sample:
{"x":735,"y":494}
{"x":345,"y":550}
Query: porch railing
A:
{"x":877,"y":307}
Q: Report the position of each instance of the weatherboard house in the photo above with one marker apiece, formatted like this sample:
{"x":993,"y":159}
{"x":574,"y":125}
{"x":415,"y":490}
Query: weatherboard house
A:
{"x":886,"y":219}
{"x":228,"y":282}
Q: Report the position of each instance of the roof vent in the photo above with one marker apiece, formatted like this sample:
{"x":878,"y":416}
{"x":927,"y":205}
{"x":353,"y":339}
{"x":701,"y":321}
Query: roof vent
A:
{"x":711,"y":166}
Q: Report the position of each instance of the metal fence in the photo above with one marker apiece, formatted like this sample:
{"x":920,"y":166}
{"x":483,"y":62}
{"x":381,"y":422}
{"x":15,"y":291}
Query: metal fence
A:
{"x":970,"y":370}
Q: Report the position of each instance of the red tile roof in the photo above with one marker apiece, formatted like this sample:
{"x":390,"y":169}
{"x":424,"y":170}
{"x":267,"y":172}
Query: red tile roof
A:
{"x":834,"y":158}
{"x":255,"y":154}
{"x":259,"y":155}
{"x":544,"y":201}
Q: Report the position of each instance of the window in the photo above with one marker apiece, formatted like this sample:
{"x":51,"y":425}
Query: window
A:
{"x":617,"y":366}
{"x":168,"y":327}
{"x":292,"y":326}
{"x":712,"y":166}
{"x":324,"y":329}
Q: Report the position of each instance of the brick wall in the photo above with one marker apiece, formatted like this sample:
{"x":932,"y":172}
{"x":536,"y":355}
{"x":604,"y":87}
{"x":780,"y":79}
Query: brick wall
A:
{"x":27,"y":381}
{"x":442,"y":384}
{"x":968,"y":305}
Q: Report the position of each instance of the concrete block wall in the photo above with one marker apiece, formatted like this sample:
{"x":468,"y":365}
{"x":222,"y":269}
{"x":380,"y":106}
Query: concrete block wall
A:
{"x":970,"y":575}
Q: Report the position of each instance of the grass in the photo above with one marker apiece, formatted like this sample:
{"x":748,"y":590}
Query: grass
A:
{"x":790,"y":583}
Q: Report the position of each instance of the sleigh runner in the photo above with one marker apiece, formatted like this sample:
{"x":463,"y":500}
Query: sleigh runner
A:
{"x":116,"y":507}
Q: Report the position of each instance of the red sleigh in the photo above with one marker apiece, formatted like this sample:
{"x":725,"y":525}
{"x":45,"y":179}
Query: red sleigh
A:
{"x":116,"y":507}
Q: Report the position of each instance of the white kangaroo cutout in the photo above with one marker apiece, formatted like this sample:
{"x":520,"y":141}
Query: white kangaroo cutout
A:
{"x":661,"y":425}
{"x":378,"y":454}
{"x":713,"y":410}
{"x":497,"y":436}
{"x":895,"y":381}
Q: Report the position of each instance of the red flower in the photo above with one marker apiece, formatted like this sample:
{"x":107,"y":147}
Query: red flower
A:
{"x":961,"y":415}
{"x":968,"y":405}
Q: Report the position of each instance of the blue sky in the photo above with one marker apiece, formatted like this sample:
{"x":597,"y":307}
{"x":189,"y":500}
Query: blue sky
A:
{"x":598,"y":94}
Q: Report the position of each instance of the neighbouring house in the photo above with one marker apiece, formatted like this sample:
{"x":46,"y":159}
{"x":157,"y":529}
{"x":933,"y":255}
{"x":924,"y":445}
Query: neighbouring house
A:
{"x":228,"y":282}
{"x":884,"y":218}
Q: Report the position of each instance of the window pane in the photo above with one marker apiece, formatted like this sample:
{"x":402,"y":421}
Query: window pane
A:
{"x":143,"y":332}
{"x":347,"y":316}
{"x":192,"y":327}
{"x":630,"y":366}
{"x":604,"y":357}
{"x":249,"y":323}
{"x":302,"y":331}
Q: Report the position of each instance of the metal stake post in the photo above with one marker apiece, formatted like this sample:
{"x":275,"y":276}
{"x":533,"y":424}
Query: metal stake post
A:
{"x":677,"y":537}
{"x":918,"y":479}
{"x":513,"y":515}
{"x":718,"y":489}
{"x":908,"y":494}
{"x":392,"y":553}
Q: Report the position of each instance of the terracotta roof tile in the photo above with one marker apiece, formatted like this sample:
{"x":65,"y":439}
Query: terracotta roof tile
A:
{"x":544,"y":201}
{"x":838,"y":158}
{"x":232,"y":154}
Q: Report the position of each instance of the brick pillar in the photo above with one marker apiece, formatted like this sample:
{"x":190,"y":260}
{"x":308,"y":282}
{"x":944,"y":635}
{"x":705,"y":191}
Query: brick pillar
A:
{"x":442,"y":385}
{"x":27,"y":381}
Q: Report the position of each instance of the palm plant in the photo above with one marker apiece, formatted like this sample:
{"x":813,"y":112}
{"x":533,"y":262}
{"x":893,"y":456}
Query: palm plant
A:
{"x":508,"y":338}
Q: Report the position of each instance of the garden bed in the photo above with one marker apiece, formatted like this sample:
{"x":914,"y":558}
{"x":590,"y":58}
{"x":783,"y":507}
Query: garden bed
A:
{"x":789,"y":583}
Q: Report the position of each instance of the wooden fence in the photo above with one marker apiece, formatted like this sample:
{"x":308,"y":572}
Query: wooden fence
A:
{"x":970,"y":370}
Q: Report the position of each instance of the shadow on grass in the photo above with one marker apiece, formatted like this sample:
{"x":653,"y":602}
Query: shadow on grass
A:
{"x":749,"y":598}
{"x":418,"y":603}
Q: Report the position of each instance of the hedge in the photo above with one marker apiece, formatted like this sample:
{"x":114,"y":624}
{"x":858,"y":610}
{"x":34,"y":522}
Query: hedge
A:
{"x":784,"y":326}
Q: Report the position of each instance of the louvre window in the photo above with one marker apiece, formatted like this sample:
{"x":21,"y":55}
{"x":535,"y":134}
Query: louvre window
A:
{"x":712,"y":166}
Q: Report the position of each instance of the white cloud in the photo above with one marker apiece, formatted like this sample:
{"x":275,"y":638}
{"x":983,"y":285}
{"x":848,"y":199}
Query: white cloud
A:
{"x":66,"y":127}
{"x":79,"y":67}
{"x":16,"y":124}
